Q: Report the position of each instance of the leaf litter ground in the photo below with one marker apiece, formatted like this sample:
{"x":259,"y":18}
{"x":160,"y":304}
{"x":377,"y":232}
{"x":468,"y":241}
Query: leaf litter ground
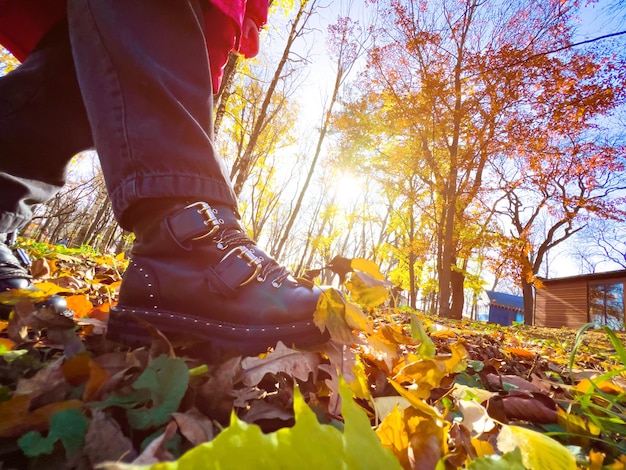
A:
{"x":393,"y":388}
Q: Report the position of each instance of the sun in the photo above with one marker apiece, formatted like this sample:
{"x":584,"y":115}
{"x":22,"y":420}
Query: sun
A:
{"x":349,"y":189}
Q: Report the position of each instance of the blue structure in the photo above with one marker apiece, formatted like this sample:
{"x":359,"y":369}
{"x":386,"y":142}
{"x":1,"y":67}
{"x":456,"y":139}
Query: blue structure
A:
{"x":504,"y":309}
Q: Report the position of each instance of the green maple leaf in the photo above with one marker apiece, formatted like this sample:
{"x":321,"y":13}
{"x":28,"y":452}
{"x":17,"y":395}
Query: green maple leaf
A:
{"x":69,"y":426}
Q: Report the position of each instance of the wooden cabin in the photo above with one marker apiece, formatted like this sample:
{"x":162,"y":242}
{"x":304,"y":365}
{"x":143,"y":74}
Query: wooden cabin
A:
{"x":577,"y":300}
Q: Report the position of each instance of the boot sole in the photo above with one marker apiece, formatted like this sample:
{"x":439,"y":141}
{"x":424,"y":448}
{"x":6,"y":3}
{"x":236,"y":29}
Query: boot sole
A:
{"x":125,"y":327}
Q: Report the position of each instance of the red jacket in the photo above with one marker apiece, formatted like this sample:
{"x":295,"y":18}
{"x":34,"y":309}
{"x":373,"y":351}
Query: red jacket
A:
{"x":24,"y":22}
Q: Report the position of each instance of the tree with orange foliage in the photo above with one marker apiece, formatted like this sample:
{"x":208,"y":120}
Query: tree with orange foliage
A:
{"x":465,"y":82}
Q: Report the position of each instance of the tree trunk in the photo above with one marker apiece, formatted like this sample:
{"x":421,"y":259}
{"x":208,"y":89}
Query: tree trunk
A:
{"x":529,"y":303}
{"x":458,"y":295}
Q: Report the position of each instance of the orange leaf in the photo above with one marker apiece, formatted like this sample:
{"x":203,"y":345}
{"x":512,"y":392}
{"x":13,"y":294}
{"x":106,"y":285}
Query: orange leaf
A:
{"x":596,"y":459}
{"x":7,"y":343}
{"x":520,"y":352}
{"x":101,"y":312}
{"x":80,"y":304}
{"x":97,"y":378}
{"x":586,"y":386}
{"x":82,"y":368}
{"x":76,"y":369}
{"x":16,"y":419}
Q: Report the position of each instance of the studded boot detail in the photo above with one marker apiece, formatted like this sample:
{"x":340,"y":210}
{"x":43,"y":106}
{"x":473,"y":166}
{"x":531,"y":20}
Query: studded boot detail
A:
{"x":195,"y":272}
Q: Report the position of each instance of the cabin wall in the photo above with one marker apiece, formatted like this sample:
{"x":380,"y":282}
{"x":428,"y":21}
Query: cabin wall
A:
{"x":562,"y":304}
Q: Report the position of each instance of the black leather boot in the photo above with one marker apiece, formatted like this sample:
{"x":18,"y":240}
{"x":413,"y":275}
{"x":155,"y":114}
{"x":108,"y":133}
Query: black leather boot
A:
{"x":14,"y":275}
{"x":195,"y":272}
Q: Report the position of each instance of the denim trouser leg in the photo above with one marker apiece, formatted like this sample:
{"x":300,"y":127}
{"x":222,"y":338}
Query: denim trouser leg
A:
{"x":144,"y":75}
{"x":42,"y":125}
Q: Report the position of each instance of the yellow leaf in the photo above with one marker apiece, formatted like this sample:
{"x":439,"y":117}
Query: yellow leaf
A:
{"x":482,"y":447}
{"x":427,"y":374}
{"x":49,"y":288}
{"x":360,"y":386}
{"x":576,"y":424}
{"x":385,"y":405}
{"x":418,"y":441}
{"x":356,"y":319}
{"x":539,"y":451}
{"x":330,"y":315}
{"x":415,"y":400}
{"x":367,"y":266}
{"x":456,"y":362}
{"x":394,"y":436}
{"x":426,"y":348}
{"x":366,"y":290}
{"x":424,"y":375}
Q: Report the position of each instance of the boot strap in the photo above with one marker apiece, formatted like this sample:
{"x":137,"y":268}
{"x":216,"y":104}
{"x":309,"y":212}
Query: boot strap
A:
{"x":238,"y":267}
{"x":198,"y":220}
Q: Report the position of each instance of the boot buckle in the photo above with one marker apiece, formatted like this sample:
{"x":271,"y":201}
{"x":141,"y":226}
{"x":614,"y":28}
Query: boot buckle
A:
{"x":252,"y":260}
{"x":210,"y":218}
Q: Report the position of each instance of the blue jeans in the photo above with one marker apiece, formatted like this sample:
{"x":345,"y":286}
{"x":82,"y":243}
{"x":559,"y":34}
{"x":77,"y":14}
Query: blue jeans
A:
{"x":128,"y":77}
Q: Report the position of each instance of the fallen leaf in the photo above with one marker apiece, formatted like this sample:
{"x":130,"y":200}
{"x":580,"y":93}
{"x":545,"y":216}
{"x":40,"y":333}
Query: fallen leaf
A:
{"x":367,"y":266}
{"x":534,"y":408}
{"x":46,"y":386}
{"x":539,"y":451}
{"x":156,"y":452}
{"x":366,"y":290}
{"x":330,"y":315}
{"x":103,"y":429}
{"x":194,"y":426}
{"x":215,"y":396}
{"x":69,"y":283}
{"x":6,"y":344}
{"x":262,"y":410}
{"x":40,"y":268}
{"x":16,"y":418}
{"x":299,"y":364}
{"x":80,"y":305}
{"x":68,"y":425}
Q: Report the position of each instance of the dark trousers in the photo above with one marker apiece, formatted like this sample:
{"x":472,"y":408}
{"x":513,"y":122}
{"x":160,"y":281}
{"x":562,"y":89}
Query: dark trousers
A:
{"x":128,"y":77}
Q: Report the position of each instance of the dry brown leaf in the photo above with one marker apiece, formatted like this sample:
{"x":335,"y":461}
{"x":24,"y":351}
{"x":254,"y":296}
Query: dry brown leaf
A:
{"x":215,"y":397}
{"x":69,"y":282}
{"x":156,"y":452}
{"x":298,"y":364}
{"x":496,"y":382}
{"x":194,"y":426}
{"x":40,"y":268}
{"x":47,"y":386}
{"x":105,"y":441}
{"x":535,"y":408}
{"x":245,"y":395}
{"x":262,"y":410}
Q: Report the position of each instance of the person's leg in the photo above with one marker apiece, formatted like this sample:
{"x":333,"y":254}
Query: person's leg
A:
{"x":43,"y":124}
{"x":143,"y":69}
